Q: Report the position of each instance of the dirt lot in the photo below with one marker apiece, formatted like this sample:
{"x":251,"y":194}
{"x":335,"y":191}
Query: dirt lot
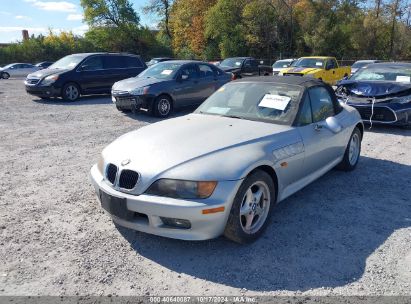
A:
{"x":346,"y":234}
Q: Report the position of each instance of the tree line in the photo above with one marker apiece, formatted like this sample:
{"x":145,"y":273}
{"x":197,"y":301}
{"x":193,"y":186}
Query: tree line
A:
{"x":215,"y":29}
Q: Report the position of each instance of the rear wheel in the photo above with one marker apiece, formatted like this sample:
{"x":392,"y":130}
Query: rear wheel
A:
{"x":163,"y":106}
{"x":5,"y":75}
{"x":251,"y":209}
{"x":71,"y":92}
{"x":352,"y":152}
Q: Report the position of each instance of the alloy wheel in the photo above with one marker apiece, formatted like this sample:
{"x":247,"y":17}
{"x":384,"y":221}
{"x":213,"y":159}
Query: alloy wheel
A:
{"x":164,"y":107}
{"x":354,"y":149}
{"x":255,"y":207}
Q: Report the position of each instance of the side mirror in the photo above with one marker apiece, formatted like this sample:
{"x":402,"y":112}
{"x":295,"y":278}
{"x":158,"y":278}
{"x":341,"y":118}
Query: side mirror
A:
{"x":262,"y":62}
{"x":184,"y":77}
{"x":84,"y":67}
{"x":332,"y":124}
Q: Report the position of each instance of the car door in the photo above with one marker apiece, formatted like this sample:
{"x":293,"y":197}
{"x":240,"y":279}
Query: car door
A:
{"x":322,"y":146}
{"x":115,"y":69}
{"x":92,"y":76}
{"x":29,"y":68}
{"x":185,"y":90}
{"x":250,"y":67}
{"x":332,"y":71}
{"x":15,"y":70}
{"x":207,"y":82}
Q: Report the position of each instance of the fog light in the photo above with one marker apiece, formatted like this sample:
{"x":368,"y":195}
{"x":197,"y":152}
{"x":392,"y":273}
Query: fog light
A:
{"x":176,"y":223}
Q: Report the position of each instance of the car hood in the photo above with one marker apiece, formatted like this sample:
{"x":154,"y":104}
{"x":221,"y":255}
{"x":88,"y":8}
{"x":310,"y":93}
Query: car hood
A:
{"x":197,"y":147}
{"x":136,"y":82}
{"x":301,"y":70}
{"x":377,"y":89}
{"x":46,"y":72}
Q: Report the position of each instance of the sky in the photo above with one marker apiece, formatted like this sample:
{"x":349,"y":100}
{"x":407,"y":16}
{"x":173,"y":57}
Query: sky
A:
{"x":37,"y":16}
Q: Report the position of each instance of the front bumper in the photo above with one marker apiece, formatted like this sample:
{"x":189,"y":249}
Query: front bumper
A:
{"x":43,"y":91}
{"x":384,"y":114}
{"x":131,"y":102}
{"x":149,"y":209}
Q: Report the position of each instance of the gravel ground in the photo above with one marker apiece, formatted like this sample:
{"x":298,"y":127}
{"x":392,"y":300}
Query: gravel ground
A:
{"x":345,"y":234}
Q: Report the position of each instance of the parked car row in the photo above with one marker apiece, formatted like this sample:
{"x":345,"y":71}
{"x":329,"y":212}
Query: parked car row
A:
{"x":172,"y":84}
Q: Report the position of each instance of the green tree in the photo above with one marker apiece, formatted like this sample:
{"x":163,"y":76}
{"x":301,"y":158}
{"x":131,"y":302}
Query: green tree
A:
{"x":223,"y":25}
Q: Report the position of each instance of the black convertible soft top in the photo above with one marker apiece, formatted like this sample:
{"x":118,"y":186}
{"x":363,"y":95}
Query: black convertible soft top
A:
{"x":293,"y":80}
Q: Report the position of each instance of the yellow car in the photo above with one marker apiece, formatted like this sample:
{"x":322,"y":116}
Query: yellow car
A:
{"x":323,"y":68}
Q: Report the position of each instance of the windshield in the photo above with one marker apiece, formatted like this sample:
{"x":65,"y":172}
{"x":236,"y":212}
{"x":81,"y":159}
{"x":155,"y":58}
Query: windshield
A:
{"x":309,"y":63}
{"x":232,"y":62}
{"x":360,"y":64}
{"x":282,"y":64}
{"x":68,"y":62}
{"x":385,"y":73}
{"x":162,"y":70}
{"x":9,"y":65}
{"x":269,"y":102}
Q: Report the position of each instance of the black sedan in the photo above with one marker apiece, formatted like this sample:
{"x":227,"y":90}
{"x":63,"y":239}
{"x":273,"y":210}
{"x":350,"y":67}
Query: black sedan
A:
{"x":169,"y":85}
{"x":381,"y":92}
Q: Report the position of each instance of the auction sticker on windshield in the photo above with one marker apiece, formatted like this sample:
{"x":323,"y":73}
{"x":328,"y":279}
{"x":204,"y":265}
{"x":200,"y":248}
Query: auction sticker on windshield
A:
{"x":167,"y":72}
{"x":272,"y":101}
{"x":403,"y":79}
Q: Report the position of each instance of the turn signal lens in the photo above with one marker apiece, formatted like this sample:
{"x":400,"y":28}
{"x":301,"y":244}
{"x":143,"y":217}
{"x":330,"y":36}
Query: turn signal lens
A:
{"x":213,"y":210}
{"x":205,"y":189}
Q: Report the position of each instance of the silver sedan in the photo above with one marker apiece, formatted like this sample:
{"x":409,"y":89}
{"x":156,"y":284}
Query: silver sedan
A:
{"x":17,"y":70}
{"x":222,"y":169}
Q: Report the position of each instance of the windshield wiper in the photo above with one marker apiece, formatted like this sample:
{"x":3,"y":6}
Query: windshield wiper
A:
{"x":233,"y":116}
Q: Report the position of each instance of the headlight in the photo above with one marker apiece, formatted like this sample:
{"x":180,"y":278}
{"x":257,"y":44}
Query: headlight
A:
{"x":50,"y":79}
{"x":139,"y":91}
{"x":402,"y":100}
{"x":100,"y":164}
{"x":181,"y":188}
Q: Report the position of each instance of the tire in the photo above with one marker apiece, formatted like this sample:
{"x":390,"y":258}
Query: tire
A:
{"x":352,"y":152}
{"x":163,"y":106}
{"x":70,"y":92}
{"x":5,"y":75}
{"x":120,"y":109}
{"x":247,"y":222}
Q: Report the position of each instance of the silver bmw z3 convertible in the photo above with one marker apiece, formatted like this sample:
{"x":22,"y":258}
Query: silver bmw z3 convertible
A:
{"x":221,"y":169}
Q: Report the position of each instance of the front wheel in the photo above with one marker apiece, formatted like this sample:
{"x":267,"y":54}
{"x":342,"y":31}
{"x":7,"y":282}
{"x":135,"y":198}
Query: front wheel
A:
{"x":163,"y":106}
{"x":5,"y":75}
{"x":251,"y":209}
{"x":71,"y":92}
{"x":352,"y":152}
